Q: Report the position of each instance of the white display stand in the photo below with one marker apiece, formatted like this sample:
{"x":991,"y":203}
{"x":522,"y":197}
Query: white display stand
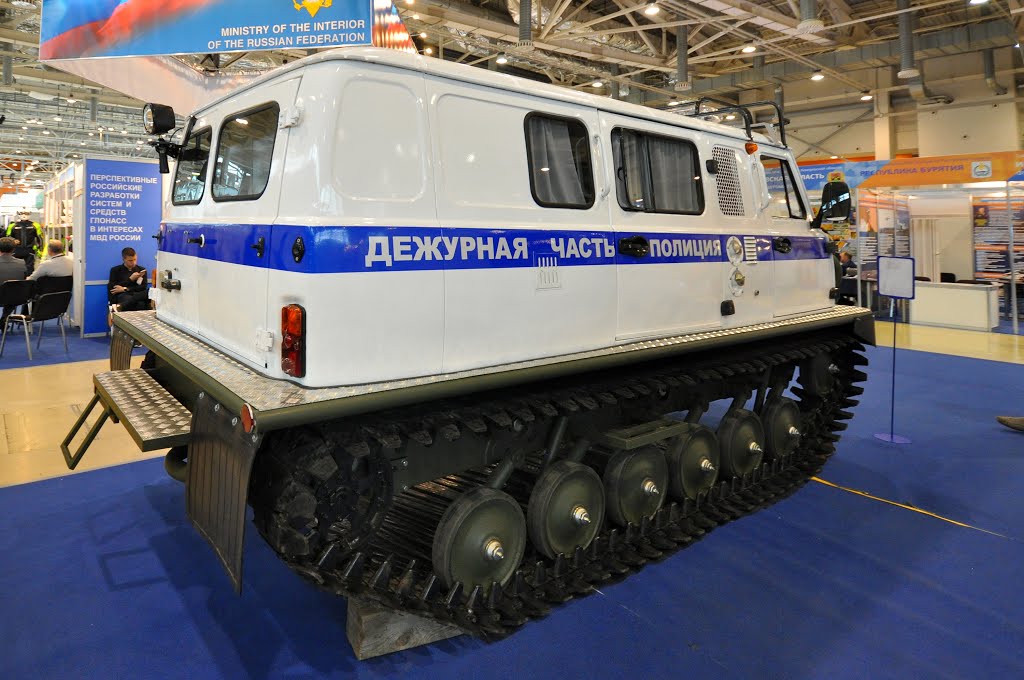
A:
{"x":956,"y":305}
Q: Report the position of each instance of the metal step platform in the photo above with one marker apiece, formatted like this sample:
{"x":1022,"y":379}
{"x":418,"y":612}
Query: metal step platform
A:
{"x":153,"y":418}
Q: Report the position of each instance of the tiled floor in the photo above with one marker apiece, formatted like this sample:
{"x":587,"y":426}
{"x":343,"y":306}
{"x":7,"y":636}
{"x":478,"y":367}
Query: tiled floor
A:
{"x":39,"y":405}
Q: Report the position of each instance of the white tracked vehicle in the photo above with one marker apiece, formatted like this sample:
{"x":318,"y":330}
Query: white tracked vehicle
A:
{"x":471,"y":345}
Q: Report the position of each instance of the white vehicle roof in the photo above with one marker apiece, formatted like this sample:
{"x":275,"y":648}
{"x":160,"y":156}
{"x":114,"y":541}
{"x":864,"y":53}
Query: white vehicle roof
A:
{"x":504,"y":81}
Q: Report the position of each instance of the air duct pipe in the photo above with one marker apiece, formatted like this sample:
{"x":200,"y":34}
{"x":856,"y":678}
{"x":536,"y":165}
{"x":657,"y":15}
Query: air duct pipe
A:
{"x":525,"y":23}
{"x":683,"y":83}
{"x":907,"y":70}
{"x":989,"y":61}
{"x":809,"y":21}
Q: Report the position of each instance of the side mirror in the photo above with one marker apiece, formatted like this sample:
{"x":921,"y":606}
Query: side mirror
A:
{"x":835,"y":202}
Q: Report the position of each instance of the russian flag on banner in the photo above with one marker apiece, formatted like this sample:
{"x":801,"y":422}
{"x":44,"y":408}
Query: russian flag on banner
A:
{"x":77,"y":28}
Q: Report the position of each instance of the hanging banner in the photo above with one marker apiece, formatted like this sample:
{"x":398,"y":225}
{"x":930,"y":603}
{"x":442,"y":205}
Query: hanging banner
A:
{"x":76,"y":29}
{"x":122,"y":201}
{"x":961,"y":169}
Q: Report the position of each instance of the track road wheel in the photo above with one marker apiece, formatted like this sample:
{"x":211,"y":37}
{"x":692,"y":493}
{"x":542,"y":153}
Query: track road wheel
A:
{"x":566,"y":508}
{"x":782,"y":425}
{"x":741,"y":438}
{"x":480,"y":539}
{"x":693,"y":461}
{"x":635,"y":484}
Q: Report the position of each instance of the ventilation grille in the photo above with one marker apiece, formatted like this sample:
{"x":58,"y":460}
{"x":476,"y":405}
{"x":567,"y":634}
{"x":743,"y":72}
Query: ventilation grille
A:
{"x":727,"y":179}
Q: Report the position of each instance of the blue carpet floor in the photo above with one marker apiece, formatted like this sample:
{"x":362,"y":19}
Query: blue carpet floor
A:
{"x":51,"y":349}
{"x":103,"y":577}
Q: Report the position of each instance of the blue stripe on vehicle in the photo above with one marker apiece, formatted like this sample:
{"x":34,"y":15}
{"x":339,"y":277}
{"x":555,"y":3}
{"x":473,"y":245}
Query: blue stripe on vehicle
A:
{"x":332,"y":249}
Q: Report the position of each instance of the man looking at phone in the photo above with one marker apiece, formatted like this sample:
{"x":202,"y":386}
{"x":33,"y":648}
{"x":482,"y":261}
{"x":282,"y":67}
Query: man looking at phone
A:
{"x":128,"y":288}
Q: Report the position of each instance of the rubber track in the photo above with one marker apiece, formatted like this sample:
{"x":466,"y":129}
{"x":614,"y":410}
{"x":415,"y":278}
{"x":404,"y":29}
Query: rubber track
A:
{"x":405,"y":582}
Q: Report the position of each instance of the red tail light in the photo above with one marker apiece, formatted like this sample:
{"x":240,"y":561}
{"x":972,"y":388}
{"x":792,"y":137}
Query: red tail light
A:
{"x":293,"y":340}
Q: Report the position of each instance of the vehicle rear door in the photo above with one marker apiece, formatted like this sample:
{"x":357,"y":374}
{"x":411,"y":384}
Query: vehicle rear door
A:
{"x":232,"y":246}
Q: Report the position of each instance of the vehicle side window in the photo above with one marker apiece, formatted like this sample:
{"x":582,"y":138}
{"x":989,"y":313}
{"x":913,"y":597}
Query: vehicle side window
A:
{"x":558,"y":155}
{"x":656,"y":174}
{"x":785,"y":198}
{"x":244,"y":152}
{"x":190,"y":175}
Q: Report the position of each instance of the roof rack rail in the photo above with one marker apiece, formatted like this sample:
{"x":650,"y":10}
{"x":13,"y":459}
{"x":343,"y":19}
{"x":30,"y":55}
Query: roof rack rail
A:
{"x":743,"y":110}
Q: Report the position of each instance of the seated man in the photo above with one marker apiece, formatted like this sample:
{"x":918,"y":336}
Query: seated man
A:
{"x":11,"y":268}
{"x":58,"y":263}
{"x":847,"y":263}
{"x":128,"y":288}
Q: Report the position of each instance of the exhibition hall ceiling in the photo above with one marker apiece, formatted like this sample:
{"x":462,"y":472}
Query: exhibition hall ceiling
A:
{"x":734,"y":49}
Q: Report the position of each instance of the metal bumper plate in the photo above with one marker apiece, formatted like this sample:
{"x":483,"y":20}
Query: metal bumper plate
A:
{"x":281,"y":403}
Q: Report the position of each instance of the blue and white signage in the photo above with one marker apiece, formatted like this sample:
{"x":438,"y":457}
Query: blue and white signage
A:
{"x":122,"y":209}
{"x":76,"y":29}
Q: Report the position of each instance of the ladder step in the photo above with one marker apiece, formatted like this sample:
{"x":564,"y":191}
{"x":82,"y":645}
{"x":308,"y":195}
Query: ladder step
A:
{"x":152,"y":416}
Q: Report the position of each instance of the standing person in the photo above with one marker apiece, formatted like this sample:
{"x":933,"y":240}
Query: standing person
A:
{"x":58,"y":264}
{"x":11,"y":268}
{"x":29,"y":237}
{"x":128,"y":288}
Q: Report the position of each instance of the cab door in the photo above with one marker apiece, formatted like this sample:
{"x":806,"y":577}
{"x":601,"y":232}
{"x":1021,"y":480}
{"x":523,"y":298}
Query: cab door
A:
{"x":232,"y":246}
{"x":803,"y":271}
{"x":668,"y":250}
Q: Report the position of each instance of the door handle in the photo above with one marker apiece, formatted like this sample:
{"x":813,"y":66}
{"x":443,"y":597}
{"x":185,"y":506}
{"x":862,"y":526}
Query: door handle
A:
{"x":259,"y":246}
{"x":634,"y":246}
{"x":782,"y":244}
{"x":201,"y":240}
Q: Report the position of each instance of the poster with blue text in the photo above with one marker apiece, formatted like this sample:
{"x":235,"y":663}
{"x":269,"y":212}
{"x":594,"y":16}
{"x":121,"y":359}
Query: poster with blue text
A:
{"x":122,"y":210}
{"x":76,"y":29}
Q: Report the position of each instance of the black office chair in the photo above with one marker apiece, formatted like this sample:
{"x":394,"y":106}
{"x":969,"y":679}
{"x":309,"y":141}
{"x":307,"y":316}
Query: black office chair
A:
{"x":44,"y":308}
{"x":15,"y":294}
{"x":922,"y":278}
{"x":947,"y":277}
{"x":54,"y":284}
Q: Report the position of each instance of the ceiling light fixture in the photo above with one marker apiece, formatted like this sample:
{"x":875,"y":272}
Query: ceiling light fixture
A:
{"x":651,"y":9}
{"x":502,"y":59}
{"x":428,"y":51}
{"x":748,"y":49}
{"x":817,"y":75}
{"x":597,"y":83}
{"x":866,"y":96}
{"x":423,"y":34}
{"x":977,"y":2}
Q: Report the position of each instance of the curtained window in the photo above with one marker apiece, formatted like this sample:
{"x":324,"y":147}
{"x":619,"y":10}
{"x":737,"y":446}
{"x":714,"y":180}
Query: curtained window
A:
{"x":656,"y":174}
{"x":558,"y":153}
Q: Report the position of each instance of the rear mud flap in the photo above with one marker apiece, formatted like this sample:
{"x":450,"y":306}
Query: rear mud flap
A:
{"x":220,"y":457}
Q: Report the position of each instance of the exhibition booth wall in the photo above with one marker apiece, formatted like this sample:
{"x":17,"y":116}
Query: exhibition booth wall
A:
{"x":952,"y":214}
